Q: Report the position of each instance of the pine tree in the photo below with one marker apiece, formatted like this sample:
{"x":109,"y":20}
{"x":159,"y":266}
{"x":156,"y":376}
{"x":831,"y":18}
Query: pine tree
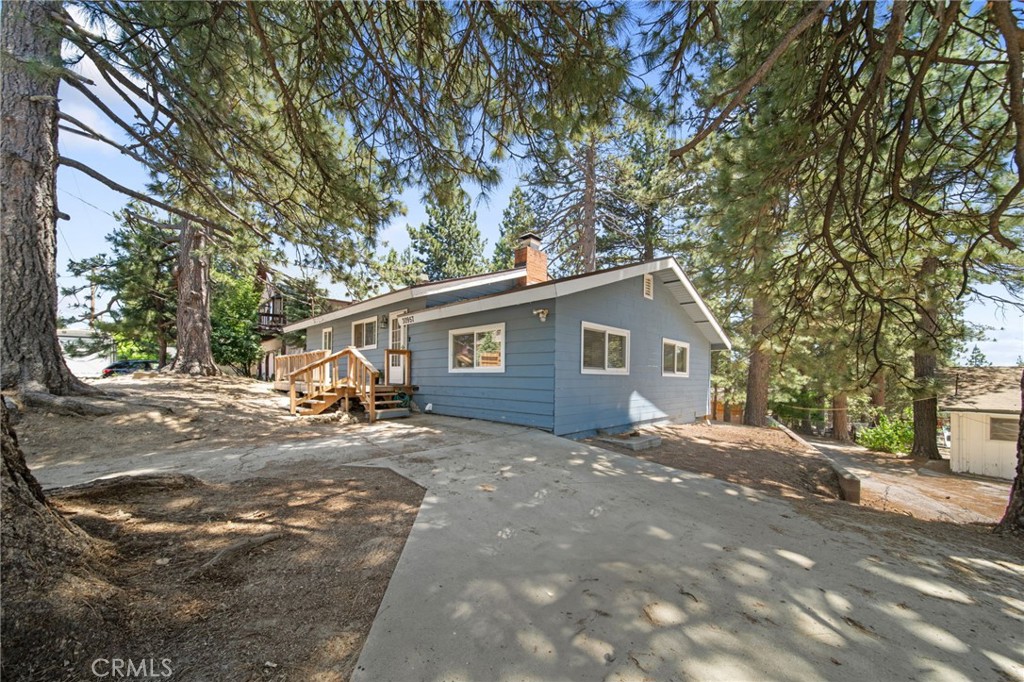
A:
{"x":314,"y":120}
{"x":645,"y":211}
{"x":977,"y":358}
{"x":449,"y":244}
{"x":138,"y":279}
{"x":517,"y":219}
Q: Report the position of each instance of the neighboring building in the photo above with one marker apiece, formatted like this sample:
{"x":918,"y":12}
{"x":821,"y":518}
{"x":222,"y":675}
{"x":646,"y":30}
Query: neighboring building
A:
{"x":270,"y":323}
{"x":984,"y":407}
{"x":86,"y":351}
{"x":604,"y":350}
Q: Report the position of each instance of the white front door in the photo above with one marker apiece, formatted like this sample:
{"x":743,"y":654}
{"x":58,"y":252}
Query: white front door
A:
{"x":395,"y":366}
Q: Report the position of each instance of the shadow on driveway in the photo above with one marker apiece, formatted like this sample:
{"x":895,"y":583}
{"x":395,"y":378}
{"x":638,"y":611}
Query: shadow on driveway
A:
{"x":538,"y":558}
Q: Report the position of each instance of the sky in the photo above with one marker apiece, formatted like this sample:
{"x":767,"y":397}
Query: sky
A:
{"x":90,"y":206}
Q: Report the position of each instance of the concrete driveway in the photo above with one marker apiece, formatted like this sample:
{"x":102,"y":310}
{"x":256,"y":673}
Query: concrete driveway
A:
{"x":539,"y":558}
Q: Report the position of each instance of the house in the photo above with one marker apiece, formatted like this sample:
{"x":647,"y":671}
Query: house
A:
{"x":270,"y":322}
{"x":984,"y":406}
{"x":603,"y":350}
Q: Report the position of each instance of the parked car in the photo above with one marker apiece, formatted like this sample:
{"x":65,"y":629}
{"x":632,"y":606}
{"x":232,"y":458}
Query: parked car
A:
{"x":128,"y":366}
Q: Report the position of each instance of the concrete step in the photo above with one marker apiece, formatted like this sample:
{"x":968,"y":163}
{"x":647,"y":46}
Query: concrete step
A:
{"x":393,"y":413}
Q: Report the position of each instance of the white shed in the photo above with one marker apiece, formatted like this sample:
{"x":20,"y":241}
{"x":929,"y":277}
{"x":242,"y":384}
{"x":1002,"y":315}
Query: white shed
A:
{"x":984,"y":406}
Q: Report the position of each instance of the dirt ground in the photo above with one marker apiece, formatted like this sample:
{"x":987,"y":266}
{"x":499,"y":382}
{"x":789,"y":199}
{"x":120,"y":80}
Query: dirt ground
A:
{"x":769,"y":460}
{"x":758,"y":458}
{"x":924,"y":493}
{"x":296,"y":607}
{"x":170,"y":414}
{"x":295,"y":601}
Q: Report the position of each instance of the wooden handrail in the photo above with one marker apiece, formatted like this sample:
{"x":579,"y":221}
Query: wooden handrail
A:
{"x":361,"y":376}
{"x":317,"y":363}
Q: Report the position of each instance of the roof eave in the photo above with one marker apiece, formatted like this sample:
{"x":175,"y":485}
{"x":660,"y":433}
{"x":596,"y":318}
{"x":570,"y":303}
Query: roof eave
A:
{"x":408,"y":293}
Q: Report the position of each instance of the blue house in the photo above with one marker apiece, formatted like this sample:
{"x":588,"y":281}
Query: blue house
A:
{"x":603,"y":350}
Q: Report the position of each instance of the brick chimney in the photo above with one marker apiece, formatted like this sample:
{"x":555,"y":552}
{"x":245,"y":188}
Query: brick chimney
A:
{"x":528,"y":253}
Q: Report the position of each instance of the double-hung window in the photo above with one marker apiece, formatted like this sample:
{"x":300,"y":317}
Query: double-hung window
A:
{"x":477,"y":349}
{"x":675,"y":358}
{"x":364,"y":333}
{"x":327,"y":339}
{"x":605,"y":350}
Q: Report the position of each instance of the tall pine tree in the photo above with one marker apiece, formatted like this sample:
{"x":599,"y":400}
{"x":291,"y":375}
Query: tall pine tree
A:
{"x":517,"y":219}
{"x":449,"y":244}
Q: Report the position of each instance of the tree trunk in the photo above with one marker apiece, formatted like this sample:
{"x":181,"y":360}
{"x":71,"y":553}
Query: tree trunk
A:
{"x":588,"y":236}
{"x":755,"y":411}
{"x":840,"y":418}
{"x":30,"y":354}
{"x":878,"y":389}
{"x":1013,"y":518}
{"x":926,"y":408}
{"x":195,"y":355}
{"x":161,"y":357}
{"x":650,"y":235}
{"x":727,"y":412}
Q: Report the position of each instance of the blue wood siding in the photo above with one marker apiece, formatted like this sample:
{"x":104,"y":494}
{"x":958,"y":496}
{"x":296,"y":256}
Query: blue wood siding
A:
{"x":343,"y":331}
{"x":587,"y":402}
{"x":522,"y":394}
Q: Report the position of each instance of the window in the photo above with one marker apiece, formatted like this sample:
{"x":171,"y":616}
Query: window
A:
{"x":327,"y":339}
{"x":649,"y":287}
{"x":364,"y":333}
{"x":477,"y":349}
{"x":675,"y":358}
{"x":1002,"y":429}
{"x":605,"y":350}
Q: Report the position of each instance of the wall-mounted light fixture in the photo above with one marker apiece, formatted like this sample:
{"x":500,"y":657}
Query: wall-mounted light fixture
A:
{"x":542,"y":313}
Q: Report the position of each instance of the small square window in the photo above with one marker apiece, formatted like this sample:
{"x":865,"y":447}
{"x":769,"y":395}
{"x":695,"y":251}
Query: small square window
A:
{"x":1000,"y":428}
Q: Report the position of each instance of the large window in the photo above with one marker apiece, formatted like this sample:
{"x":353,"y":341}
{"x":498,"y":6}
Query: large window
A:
{"x":675,"y":358}
{"x":364,"y":333}
{"x":1000,"y":428}
{"x":605,"y":350}
{"x":477,"y":349}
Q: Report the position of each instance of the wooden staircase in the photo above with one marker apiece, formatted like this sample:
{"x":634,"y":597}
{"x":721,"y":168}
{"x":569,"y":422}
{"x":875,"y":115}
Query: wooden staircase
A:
{"x":345,"y":376}
{"x":390,"y":404}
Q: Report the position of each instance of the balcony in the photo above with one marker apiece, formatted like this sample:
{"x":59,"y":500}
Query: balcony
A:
{"x":269,"y":323}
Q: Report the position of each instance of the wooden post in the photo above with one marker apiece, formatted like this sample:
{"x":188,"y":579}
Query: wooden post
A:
{"x":372,"y":398}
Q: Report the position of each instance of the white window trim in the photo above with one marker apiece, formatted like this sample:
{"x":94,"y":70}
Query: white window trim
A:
{"x":452,"y":333}
{"x":988,"y":434}
{"x":376,"y":332}
{"x":323,"y":339}
{"x":684,"y":344}
{"x":593,"y":326}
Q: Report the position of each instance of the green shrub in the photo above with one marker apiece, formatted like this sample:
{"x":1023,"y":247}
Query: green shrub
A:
{"x":895,"y":435}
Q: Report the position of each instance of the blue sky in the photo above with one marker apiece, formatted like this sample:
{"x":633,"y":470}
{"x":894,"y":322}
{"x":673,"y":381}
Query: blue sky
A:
{"x":90,"y":205}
